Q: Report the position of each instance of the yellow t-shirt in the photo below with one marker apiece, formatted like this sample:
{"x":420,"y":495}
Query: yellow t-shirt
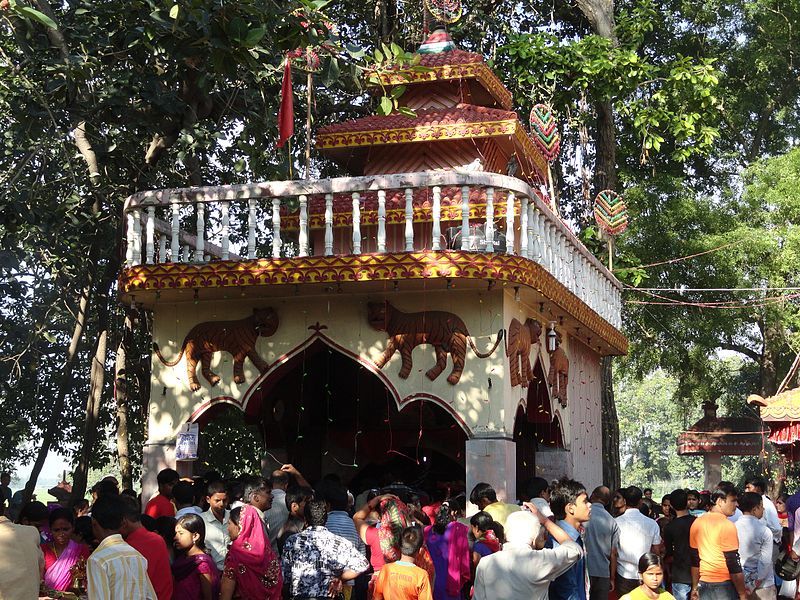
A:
{"x":500,"y":511}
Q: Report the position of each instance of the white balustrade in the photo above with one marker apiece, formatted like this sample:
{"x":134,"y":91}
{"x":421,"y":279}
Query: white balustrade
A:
{"x":489,"y":228}
{"x":276,"y":228}
{"x":302,"y":237}
{"x":356,"y":223}
{"x":381,"y":220}
{"x":409,"y":231}
{"x":328,"y":224}
{"x":436,"y":209}
{"x":531,"y":229}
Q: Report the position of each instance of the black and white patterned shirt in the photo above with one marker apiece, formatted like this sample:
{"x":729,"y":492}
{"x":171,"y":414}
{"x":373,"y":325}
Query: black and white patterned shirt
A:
{"x":314,"y":557}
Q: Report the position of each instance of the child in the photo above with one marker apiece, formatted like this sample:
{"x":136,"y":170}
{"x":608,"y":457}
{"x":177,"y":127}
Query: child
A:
{"x":196,"y":575}
{"x":402,"y":580}
{"x":652,"y":575}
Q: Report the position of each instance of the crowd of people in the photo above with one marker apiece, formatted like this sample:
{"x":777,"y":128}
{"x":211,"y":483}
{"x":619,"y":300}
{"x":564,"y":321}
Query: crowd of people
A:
{"x":279,"y":537}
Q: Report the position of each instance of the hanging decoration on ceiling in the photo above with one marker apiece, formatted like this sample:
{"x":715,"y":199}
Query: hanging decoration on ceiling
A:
{"x":544,"y":132}
{"x":611,"y":215}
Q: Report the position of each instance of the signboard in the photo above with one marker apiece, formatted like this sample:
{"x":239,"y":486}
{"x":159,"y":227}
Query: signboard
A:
{"x":186,"y":442}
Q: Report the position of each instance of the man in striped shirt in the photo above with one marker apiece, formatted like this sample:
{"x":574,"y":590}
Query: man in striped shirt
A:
{"x":115,"y":570}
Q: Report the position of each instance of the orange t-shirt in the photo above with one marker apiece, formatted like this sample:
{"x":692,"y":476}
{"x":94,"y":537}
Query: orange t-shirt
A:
{"x":713,"y":534}
{"x":402,"y":581}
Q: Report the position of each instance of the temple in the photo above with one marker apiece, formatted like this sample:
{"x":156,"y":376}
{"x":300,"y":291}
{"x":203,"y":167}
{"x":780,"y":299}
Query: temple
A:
{"x":428,"y":315}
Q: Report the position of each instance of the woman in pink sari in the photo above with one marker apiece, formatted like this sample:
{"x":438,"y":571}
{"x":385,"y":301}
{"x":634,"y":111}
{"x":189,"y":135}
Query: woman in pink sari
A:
{"x":62,"y":553}
{"x":252,"y":571}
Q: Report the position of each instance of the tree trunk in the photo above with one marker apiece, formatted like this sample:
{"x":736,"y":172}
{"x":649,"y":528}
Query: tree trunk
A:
{"x":610,"y":427}
{"x":97,"y":379}
{"x":64,"y":386}
{"x":121,"y":391}
{"x":773,"y":341}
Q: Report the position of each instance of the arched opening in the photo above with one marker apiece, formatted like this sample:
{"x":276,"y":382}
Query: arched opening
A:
{"x":535,"y":426}
{"x":326,"y":413}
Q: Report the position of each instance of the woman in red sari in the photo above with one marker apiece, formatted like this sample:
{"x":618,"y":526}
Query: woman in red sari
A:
{"x":252,"y":571}
{"x":62,"y":554}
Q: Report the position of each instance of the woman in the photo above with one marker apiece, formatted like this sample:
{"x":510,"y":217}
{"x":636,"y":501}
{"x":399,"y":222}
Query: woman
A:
{"x":63,"y":553}
{"x":252,"y":571}
{"x":195,"y":574}
{"x":486,"y":541}
{"x":617,"y":504}
{"x":651,"y":574}
{"x":449,"y":547}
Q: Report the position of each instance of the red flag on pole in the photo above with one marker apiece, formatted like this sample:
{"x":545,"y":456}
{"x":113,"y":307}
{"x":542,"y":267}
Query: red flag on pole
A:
{"x":286,"y":109}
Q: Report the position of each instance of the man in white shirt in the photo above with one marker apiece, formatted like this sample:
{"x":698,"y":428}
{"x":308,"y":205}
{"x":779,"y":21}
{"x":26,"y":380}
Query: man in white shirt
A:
{"x":277,"y":515}
{"x":216,"y":520}
{"x":638,"y":535}
{"x":770,"y":518}
{"x":755,"y":548}
{"x":22,"y":565}
{"x":523,"y":569}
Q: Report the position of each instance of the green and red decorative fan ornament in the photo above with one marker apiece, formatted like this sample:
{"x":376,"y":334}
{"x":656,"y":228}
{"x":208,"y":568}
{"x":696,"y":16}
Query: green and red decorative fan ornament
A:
{"x":544,"y":132}
{"x":611,"y":215}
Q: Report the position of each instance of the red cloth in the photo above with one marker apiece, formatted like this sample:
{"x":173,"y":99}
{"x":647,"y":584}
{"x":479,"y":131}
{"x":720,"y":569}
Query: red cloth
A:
{"x":784,"y":432}
{"x":286,"y":108}
{"x":154,"y":549}
{"x":160,"y":506}
{"x":50,"y":556}
{"x":251,"y":561}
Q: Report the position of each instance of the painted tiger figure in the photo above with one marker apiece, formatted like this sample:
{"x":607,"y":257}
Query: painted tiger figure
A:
{"x":445,"y":331}
{"x":238,"y":338}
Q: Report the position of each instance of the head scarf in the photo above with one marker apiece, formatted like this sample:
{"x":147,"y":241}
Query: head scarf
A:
{"x":394,"y":518}
{"x":251,"y":561}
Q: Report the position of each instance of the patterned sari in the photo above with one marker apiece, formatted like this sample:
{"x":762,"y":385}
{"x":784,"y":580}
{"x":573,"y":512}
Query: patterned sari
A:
{"x":59,"y":575}
{"x":251,"y":561}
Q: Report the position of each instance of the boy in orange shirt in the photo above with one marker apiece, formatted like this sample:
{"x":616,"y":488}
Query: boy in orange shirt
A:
{"x":403,"y":580}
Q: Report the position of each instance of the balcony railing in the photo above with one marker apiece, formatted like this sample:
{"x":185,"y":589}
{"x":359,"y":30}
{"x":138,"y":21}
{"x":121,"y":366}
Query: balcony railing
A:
{"x":433,"y":210}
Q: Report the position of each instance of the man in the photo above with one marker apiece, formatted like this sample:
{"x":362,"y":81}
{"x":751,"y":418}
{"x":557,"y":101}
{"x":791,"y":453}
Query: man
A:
{"x":258,"y":494}
{"x":539,"y":490}
{"x":183,"y":497}
{"x":23,"y":564}
{"x":339,"y":521}
{"x":314,"y":559}
{"x":150,"y":545}
{"x":601,"y":539}
{"x":161,"y":504}
{"x":115,"y":571}
{"x":638,"y":535}
{"x":5,"y":489}
{"x":714,"y":546}
{"x":402,"y":579}
{"x":755,"y":548}
{"x":485,"y":498}
{"x":770,"y":518}
{"x":676,"y":545}
{"x":276,"y":516}
{"x":693,"y":503}
{"x":522,"y":569}
{"x":296,"y":499}
{"x":216,"y":520}
{"x":572,"y":508}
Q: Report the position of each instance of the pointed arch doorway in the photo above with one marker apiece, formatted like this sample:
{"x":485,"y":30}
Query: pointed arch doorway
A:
{"x":325,"y":411}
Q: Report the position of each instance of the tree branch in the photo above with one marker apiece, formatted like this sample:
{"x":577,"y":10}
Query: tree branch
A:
{"x":87,"y":152}
{"x":749,"y":353}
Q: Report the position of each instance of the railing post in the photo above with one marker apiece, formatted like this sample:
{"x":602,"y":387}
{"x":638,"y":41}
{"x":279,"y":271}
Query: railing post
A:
{"x":356,"y":223}
{"x":510,"y":214}
{"x":549,"y":249}
{"x":187,"y":253}
{"x":302,"y":237}
{"x":534,"y":234}
{"x":225,"y":208}
{"x":328,"y":224}
{"x":436,"y":233}
{"x":381,"y":220}
{"x":150,"y":232}
{"x":465,"y":217}
{"x":137,"y":236}
{"x":200,"y":247}
{"x":162,"y":248}
{"x":489,"y":229}
{"x":409,"y":232}
{"x":276,"y":228}
{"x":175,"y":240}
{"x":129,"y":240}
{"x":523,"y":228}
{"x":251,"y":228}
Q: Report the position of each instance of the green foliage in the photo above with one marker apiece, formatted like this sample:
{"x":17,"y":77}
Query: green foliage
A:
{"x":229,"y":445}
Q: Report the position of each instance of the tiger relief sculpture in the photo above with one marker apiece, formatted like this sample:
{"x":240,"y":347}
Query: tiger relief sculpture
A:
{"x":238,"y":338}
{"x":445,"y":331}
{"x":521,"y":337}
{"x":558,"y":376}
